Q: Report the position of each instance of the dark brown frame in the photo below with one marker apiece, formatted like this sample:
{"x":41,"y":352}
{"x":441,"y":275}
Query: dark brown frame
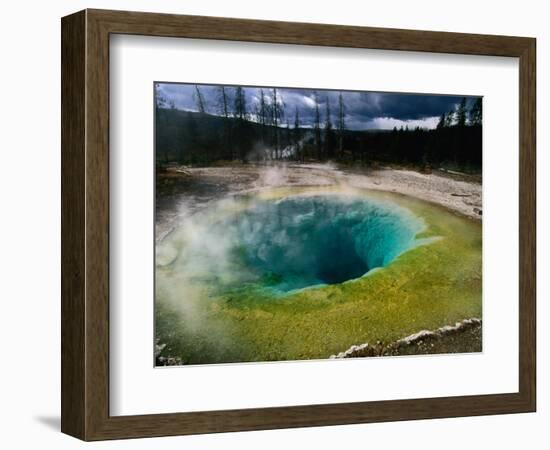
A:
{"x":85,"y":224}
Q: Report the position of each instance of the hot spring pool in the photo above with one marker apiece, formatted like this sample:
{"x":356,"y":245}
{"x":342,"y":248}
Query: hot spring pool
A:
{"x":291,"y":243}
{"x":304,"y":273}
{"x":304,"y":241}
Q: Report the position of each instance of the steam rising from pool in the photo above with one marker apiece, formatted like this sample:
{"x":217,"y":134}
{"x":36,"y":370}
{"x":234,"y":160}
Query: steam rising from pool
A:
{"x":283,"y":244}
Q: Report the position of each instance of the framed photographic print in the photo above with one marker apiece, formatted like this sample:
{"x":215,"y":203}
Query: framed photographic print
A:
{"x":270,"y":225}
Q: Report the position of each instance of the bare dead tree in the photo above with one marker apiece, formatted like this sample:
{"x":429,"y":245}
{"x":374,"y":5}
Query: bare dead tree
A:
{"x":329,"y":147}
{"x":224,"y":109}
{"x":199,"y":100}
{"x":297,"y":136}
{"x":317,"y":125}
{"x":341,"y":124}
{"x":223,"y":102}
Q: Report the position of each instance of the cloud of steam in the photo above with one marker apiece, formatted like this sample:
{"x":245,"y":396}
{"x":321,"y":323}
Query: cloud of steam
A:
{"x":238,"y":241}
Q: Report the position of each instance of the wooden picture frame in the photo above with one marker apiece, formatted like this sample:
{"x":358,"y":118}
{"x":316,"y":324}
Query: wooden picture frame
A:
{"x":85,"y":224}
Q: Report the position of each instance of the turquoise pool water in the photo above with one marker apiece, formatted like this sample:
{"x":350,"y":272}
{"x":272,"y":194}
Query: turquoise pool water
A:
{"x":304,"y":241}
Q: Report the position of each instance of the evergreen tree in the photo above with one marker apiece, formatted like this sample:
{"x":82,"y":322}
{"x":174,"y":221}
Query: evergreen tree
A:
{"x":160,"y":118}
{"x":476,"y":113}
{"x":188,"y":139}
{"x":441,"y":123}
{"x":296,"y":119}
{"x":449,"y":119}
{"x":461,"y":113}
{"x":288,"y":142}
{"x":160,"y":99}
{"x":240,"y":104}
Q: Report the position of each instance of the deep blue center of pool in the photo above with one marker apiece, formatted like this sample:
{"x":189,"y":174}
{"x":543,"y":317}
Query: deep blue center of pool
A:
{"x":310,"y":240}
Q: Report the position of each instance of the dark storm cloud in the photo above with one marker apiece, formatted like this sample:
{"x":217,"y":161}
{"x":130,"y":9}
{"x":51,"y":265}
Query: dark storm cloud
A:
{"x":364,"y":110}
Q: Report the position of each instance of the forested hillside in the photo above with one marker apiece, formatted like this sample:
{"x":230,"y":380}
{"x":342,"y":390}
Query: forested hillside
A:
{"x":200,"y":138}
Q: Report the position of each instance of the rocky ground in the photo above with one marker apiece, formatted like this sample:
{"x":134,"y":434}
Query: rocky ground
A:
{"x":463,"y":337}
{"x":180,"y":191}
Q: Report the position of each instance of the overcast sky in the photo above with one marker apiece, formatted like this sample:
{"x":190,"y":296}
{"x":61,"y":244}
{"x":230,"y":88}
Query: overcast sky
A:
{"x":364,"y":110}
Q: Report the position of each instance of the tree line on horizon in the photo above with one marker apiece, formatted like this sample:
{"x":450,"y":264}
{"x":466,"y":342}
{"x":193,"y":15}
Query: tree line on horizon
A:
{"x":228,"y":129}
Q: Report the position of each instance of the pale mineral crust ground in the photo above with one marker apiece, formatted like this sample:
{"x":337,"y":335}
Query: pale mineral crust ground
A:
{"x":181,"y":191}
